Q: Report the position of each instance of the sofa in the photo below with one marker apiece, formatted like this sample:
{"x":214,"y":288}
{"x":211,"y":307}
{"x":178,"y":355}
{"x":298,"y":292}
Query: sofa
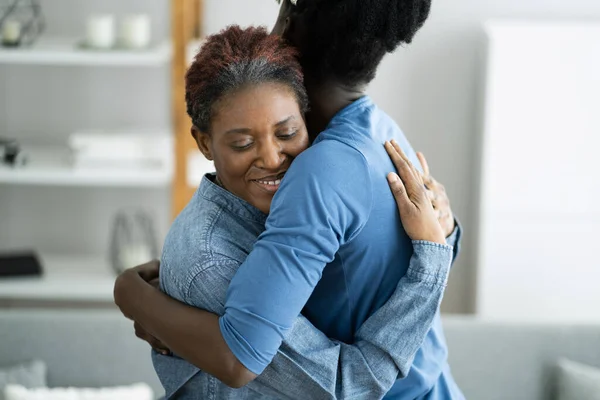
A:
{"x":489,"y":360}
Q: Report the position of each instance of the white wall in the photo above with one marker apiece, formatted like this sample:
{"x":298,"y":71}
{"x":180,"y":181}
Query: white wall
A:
{"x":539,"y":216}
{"x":432,"y":88}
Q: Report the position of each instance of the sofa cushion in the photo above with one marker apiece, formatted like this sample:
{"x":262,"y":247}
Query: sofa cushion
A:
{"x":29,"y":375}
{"x":133,"y":392}
{"x":578,"y":381}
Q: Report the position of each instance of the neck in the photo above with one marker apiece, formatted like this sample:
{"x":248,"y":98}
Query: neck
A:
{"x":327,"y":98}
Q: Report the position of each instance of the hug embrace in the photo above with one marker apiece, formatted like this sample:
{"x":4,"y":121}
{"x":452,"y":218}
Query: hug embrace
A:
{"x":312,"y":263}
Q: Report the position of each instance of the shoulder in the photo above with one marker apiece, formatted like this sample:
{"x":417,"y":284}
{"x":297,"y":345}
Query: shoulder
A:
{"x":329,"y":168}
{"x":328,"y":185}
{"x":191,"y":230}
{"x":195,"y":247}
{"x":333,"y":156}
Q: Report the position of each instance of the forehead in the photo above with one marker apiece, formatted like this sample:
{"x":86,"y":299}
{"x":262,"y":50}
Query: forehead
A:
{"x":255,"y":106}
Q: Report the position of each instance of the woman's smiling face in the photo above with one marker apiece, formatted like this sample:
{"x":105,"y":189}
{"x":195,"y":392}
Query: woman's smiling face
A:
{"x":255,"y":134}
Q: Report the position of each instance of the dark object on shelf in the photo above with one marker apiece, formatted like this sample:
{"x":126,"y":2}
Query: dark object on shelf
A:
{"x":10,"y":153}
{"x":28,"y":14}
{"x":19,"y":264}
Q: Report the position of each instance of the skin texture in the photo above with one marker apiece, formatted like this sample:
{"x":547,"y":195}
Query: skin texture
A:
{"x":255,"y":135}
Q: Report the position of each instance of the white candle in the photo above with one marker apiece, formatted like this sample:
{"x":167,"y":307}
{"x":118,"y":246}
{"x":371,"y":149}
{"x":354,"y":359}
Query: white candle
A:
{"x":101,"y":31}
{"x":136,"y":31}
{"x":11,"y":32}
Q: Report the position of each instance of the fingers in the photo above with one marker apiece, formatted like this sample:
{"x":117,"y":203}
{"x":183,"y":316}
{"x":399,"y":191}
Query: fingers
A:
{"x":424,"y":164}
{"x":151,"y":340}
{"x":401,"y":165}
{"x":155,"y":283}
{"x":413,"y":185}
{"x":148,"y":271}
{"x":398,"y":190}
{"x":405,"y":158}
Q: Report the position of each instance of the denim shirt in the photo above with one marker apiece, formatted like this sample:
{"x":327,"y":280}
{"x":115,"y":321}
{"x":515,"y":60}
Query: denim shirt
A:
{"x":203,"y":250}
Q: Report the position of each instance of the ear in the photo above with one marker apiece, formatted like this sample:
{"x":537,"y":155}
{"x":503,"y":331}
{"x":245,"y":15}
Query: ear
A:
{"x":286,"y":30}
{"x":294,"y":27}
{"x":203,"y":141}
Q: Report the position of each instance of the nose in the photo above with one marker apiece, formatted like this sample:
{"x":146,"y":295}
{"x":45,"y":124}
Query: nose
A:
{"x":270,"y":155}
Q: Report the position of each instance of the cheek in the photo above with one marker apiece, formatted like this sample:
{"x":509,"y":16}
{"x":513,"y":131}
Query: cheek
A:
{"x":231,"y":165}
{"x":297,"y":146}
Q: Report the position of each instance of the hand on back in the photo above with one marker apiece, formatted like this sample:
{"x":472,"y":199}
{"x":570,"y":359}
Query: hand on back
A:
{"x":418,"y":216}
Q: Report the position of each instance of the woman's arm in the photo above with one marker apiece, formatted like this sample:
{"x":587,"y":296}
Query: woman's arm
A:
{"x":308,"y":361}
{"x":310,"y":365}
{"x":190,"y":332}
{"x":385,"y":347}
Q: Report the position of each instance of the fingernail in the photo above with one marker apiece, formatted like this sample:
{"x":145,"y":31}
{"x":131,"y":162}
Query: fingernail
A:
{"x":392,"y":177}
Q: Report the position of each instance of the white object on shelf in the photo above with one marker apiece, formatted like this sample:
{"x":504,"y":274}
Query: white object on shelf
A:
{"x":65,"y":278}
{"x":121,"y":148}
{"x":136,"y":31}
{"x":66,"y":51}
{"x":540,"y":179}
{"x":101,"y":31}
{"x":11,"y":32}
{"x":51,"y":167}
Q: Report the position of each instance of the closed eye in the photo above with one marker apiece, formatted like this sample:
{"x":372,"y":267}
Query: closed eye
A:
{"x":288,"y":136}
{"x":242,"y":147}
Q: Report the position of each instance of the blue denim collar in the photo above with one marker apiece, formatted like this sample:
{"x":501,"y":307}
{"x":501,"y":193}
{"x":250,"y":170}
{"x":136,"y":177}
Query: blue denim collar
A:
{"x":228,"y":201}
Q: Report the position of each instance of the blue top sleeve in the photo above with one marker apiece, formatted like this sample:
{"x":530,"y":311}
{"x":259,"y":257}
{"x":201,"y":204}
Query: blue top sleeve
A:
{"x":323,"y":202}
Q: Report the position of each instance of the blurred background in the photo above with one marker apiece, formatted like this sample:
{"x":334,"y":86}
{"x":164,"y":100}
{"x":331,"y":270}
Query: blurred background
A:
{"x":501,"y":96}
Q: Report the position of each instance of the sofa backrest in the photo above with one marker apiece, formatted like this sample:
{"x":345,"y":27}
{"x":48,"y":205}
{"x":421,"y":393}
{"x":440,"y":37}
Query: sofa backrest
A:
{"x":82,"y":348}
{"x":491,"y":361}
{"x":516,"y":361}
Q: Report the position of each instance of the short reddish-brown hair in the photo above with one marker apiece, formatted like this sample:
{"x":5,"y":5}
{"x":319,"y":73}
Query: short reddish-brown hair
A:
{"x":236,"y":58}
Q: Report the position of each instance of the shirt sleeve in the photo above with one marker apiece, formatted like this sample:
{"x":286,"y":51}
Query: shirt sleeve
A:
{"x":311,"y":365}
{"x":323,"y":202}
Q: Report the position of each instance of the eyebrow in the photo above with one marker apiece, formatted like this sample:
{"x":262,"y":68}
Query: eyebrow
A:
{"x":285,"y":121}
{"x":238,"y":130}
{"x":246,"y":130}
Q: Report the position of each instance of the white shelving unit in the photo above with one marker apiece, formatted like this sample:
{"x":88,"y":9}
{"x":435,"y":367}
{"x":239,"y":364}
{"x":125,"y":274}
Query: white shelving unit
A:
{"x":79,"y":278}
{"x":67,"y":52}
{"x":65,"y":278}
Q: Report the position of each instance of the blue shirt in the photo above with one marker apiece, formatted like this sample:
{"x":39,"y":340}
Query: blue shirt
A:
{"x":203,"y":250}
{"x":335,"y":248}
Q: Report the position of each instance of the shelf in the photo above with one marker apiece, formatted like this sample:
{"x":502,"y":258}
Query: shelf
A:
{"x":64,"y":51}
{"x":66,"y":278}
{"x":49,"y":168}
{"x":64,"y":176}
